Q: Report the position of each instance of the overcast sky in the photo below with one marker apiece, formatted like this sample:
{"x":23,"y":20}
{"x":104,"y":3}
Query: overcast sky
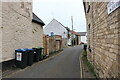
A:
{"x":61,"y":10}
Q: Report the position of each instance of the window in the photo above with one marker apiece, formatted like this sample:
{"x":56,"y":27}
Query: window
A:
{"x":89,"y":26}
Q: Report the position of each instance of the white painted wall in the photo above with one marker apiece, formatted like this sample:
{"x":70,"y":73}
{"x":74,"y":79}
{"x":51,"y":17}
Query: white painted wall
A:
{"x":83,"y":39}
{"x":56,"y":27}
{"x":79,"y":39}
{"x":69,"y":41}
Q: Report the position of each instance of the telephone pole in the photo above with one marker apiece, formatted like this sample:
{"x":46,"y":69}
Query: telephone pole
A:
{"x":72,"y":22}
{"x":72,"y":30}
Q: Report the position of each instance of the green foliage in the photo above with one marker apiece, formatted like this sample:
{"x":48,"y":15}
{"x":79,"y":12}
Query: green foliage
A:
{"x":86,"y":62}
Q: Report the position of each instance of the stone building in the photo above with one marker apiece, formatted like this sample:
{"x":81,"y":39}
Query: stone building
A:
{"x":103,"y":37}
{"x":16,"y":27}
{"x":20,"y":28}
{"x":74,"y":38}
{"x":37,"y":31}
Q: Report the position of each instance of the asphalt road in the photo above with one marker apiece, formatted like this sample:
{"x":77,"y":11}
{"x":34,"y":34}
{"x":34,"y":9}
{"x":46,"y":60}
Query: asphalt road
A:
{"x":64,"y":65}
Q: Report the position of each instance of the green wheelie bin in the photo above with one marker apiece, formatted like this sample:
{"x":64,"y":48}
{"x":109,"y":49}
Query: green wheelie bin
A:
{"x":40,"y":52}
{"x":36,"y":54}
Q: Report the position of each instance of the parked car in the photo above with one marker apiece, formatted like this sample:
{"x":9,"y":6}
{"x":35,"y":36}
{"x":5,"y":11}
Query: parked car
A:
{"x":82,"y":43}
{"x":69,"y":44}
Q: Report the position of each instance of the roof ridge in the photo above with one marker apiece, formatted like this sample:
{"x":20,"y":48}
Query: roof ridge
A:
{"x":57,"y":21}
{"x":37,"y":19}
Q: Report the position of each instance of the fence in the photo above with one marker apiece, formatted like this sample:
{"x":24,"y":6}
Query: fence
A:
{"x":52,"y":44}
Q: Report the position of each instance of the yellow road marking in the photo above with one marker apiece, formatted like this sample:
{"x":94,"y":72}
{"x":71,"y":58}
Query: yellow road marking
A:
{"x":81,"y":69}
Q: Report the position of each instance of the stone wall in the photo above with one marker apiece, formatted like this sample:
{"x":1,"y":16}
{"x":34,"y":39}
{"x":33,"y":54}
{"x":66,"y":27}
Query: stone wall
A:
{"x":119,"y":47}
{"x":0,"y":32}
{"x":37,"y":35}
{"x":102,"y":38}
{"x":16,"y":28}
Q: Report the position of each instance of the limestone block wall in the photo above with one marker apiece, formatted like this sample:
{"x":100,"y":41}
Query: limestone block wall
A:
{"x":0,"y":32}
{"x":103,"y":39}
{"x":37,"y":32}
{"x":89,"y":18}
{"x":119,"y":47}
{"x":16,"y":28}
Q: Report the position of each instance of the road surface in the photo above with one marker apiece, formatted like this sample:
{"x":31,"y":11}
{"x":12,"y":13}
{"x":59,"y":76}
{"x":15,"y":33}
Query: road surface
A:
{"x":64,"y":65}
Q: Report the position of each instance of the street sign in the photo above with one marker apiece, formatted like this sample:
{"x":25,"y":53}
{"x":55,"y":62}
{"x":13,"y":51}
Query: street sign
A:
{"x":52,"y":34}
{"x":113,"y":5}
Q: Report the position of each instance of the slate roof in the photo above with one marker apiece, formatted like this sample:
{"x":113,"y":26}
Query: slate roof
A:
{"x":37,"y":20}
{"x":68,"y":29}
{"x":82,"y":33}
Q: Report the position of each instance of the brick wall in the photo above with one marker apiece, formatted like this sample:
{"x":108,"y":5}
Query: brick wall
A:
{"x":102,"y":37}
{"x":16,"y":28}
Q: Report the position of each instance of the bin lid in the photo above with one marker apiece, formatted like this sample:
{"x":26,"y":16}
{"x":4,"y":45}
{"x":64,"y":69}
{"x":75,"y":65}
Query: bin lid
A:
{"x":30,"y":49}
{"x":39,"y":47}
{"x":20,"y":50}
{"x":25,"y":49}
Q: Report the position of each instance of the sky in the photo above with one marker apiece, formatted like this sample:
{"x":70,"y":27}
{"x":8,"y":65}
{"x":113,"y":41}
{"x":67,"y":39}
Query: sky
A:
{"x":61,"y":10}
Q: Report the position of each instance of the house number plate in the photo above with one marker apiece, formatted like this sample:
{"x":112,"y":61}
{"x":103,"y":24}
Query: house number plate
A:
{"x":113,"y":5}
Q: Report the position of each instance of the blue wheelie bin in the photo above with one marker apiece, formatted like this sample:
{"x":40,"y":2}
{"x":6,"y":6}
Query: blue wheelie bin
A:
{"x":21,"y":58}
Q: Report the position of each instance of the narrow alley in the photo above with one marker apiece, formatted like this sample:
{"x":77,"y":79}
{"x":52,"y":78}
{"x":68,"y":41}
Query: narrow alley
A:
{"x":65,"y":65}
{"x":59,"y":39}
